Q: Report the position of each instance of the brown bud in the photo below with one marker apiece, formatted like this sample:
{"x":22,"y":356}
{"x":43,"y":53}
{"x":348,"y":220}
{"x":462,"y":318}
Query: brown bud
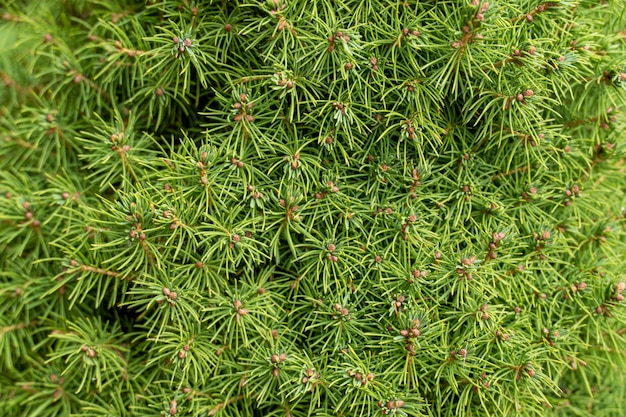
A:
{"x":228,"y":27}
{"x":173,"y":295}
{"x":242,"y":311}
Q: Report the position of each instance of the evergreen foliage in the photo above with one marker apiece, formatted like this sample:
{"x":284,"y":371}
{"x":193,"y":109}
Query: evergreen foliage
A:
{"x":312,"y":208}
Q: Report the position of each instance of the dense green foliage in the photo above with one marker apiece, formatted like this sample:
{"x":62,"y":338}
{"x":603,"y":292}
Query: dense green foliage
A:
{"x":312,"y":208}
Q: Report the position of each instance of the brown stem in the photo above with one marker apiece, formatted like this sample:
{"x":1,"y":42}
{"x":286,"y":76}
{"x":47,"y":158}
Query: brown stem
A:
{"x":7,"y":329}
{"x":23,"y":143}
{"x":580,"y":122}
{"x":9,"y":82}
{"x":106,"y":272}
{"x":539,"y":9}
{"x":219,"y":406}
{"x":122,"y":154}
{"x":92,"y":84}
{"x":510,"y":172}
